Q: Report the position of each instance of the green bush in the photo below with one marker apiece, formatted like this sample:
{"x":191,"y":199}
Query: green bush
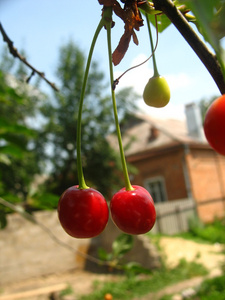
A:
{"x":212,"y":289}
{"x":213,"y":233}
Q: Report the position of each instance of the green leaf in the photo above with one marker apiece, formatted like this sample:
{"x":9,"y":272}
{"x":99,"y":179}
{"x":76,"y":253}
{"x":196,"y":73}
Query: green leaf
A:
{"x":135,"y":268}
{"x":208,"y":18}
{"x":122,"y":244}
{"x":12,"y":150}
{"x":162,"y":22}
{"x":44,"y":201}
{"x":3,"y":220}
{"x":103,"y":255}
{"x":9,"y":127}
{"x":4,"y":159}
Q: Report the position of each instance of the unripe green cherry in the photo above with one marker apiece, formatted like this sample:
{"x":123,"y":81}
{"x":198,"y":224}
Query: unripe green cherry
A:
{"x":157,"y":92}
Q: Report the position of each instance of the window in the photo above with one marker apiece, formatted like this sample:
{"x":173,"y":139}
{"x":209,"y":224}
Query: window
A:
{"x":156,"y":188}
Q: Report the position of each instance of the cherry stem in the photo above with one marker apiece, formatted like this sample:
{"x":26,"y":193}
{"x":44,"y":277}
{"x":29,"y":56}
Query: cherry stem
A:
{"x":156,"y":73}
{"x":108,"y":12}
{"x":82,"y":184}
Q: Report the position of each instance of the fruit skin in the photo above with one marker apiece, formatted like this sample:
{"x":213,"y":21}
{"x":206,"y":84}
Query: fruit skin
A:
{"x":133,"y":211}
{"x":157,"y":92}
{"x":83,"y":213}
{"x":108,"y":296}
{"x":214,"y":125}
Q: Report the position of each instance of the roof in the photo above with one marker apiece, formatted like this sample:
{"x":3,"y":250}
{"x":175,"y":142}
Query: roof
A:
{"x":147,"y":133}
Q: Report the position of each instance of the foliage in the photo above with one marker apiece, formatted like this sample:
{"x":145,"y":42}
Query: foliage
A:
{"x":67,"y":291}
{"x":207,"y":15}
{"x":136,"y":286}
{"x":115,"y":259}
{"x":212,"y":233}
{"x":121,"y":245}
{"x":211,"y":289}
{"x":209,"y":20}
{"x":204,"y":105}
{"x":18,"y":161}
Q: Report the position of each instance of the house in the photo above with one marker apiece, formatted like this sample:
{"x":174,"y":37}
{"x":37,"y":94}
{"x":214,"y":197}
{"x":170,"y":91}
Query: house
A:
{"x":174,"y":162}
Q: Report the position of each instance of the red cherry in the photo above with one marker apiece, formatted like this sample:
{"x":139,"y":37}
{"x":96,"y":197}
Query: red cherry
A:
{"x":214,"y":125}
{"x":133,"y":211}
{"x":83,"y":213}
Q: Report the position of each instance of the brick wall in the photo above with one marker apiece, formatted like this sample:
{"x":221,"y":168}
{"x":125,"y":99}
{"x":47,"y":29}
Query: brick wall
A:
{"x":169,"y":165}
{"x":199,"y":173}
{"x":207,"y":176}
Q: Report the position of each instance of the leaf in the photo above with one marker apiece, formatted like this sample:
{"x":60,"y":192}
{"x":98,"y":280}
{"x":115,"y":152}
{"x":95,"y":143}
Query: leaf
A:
{"x":12,"y":150}
{"x":44,"y":201}
{"x":135,"y":268}
{"x":206,"y":14}
{"x":121,"y":49}
{"x":8,"y":127}
{"x":122,"y":244}
{"x":4,"y":159}
{"x":133,"y":20}
{"x":162,"y":22}
{"x":3,"y":220}
{"x":103,"y":255}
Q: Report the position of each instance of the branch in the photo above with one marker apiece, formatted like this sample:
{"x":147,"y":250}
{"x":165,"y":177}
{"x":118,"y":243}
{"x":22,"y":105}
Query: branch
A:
{"x":208,"y":58}
{"x":16,"y":54}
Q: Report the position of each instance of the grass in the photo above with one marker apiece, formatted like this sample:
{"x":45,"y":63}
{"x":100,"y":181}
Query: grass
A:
{"x":135,"y":286}
{"x":198,"y":232}
{"x":212,"y":289}
{"x":211,"y":233}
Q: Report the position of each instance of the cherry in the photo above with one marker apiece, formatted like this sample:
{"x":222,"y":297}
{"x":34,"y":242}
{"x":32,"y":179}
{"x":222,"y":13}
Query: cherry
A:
{"x":133,"y":211}
{"x":214,"y":125}
{"x":157,"y":92}
{"x":83,"y":213}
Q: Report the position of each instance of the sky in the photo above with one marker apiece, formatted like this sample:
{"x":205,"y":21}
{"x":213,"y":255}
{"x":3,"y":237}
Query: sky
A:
{"x":42,"y":27}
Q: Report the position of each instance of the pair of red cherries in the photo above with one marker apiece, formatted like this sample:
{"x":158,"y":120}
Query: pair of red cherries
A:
{"x":84,"y":213}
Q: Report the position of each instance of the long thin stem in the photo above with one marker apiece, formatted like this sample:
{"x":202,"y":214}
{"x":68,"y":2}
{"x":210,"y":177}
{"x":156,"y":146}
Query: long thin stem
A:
{"x":156,"y":73}
{"x":82,"y":184}
{"x":122,"y":155}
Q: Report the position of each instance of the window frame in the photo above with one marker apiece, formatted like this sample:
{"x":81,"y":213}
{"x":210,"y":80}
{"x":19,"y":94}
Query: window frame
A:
{"x":163,"y":192}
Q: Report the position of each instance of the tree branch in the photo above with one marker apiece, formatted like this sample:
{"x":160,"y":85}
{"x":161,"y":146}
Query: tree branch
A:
{"x":208,"y":58}
{"x":16,"y":54}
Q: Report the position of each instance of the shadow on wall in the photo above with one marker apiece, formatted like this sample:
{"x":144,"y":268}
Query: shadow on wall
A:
{"x":28,"y":251}
{"x":143,"y":251}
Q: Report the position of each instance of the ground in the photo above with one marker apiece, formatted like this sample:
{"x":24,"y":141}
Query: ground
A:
{"x":175,"y":248}
{"x":82,"y":282}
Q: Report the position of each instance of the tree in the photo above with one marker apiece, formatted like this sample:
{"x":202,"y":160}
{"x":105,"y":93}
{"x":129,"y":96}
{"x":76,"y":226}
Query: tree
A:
{"x":59,"y":132}
{"x":18,"y":161}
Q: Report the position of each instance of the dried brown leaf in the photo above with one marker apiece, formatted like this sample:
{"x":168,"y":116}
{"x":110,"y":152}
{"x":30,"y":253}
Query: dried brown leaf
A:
{"x":121,"y":49}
